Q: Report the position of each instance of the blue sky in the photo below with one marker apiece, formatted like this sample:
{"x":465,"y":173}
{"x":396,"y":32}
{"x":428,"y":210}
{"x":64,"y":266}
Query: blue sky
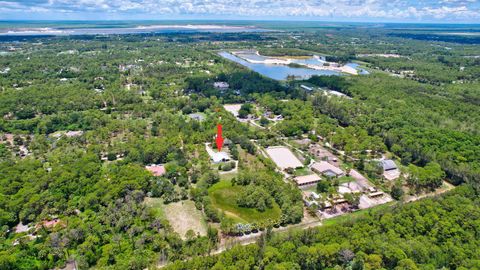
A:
{"x":446,"y":11}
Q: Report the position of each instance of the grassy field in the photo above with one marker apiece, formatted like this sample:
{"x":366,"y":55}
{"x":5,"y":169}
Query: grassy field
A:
{"x":224,"y":197}
{"x":345,"y":179}
{"x":182,"y":216}
{"x":228,"y":176}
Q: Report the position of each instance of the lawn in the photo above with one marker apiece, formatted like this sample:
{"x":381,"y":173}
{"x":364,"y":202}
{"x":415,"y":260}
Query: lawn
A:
{"x":303,"y":171}
{"x":345,"y":179}
{"x":228,"y":176}
{"x":224,"y":197}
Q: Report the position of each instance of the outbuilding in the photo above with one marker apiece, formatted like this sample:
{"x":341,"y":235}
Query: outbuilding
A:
{"x":305,"y":180}
{"x":390,"y":169}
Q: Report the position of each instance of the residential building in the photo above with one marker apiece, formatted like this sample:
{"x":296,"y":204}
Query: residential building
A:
{"x":156,"y":170}
{"x":221,"y":85}
{"x":327,"y":169}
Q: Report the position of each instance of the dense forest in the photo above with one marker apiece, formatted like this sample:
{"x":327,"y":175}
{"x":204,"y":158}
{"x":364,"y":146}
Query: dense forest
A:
{"x":420,"y":123}
{"x":440,"y":233}
{"x":81,"y":117}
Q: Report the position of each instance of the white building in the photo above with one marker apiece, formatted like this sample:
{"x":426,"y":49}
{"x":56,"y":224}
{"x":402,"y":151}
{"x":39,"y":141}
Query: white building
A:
{"x":217,"y":157}
{"x":221,"y":85}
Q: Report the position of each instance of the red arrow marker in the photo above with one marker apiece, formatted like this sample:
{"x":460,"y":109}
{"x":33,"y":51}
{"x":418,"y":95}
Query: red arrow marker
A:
{"x":219,"y":139}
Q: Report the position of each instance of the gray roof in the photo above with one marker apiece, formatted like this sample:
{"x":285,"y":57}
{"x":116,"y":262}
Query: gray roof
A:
{"x":326,"y":168}
{"x":197,"y":116}
{"x":388,"y":164}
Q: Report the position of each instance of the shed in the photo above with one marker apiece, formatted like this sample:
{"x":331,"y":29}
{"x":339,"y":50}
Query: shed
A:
{"x":307,"y":179}
{"x":197,"y":116}
{"x":388,"y":165}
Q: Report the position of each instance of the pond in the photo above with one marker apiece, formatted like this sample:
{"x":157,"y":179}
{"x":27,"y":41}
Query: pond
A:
{"x":361,"y":71}
{"x":279,"y":72}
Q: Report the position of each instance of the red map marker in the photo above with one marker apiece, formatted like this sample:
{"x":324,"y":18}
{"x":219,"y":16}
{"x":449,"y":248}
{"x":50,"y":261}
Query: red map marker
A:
{"x":219,"y":139}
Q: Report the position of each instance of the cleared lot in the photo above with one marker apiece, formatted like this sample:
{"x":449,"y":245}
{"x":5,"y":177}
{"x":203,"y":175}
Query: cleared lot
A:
{"x":283,"y":157}
{"x":182,"y":216}
{"x":367,"y":202}
{"x":233,"y":108}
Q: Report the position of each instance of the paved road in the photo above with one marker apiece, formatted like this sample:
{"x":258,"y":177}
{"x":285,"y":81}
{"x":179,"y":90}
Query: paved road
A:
{"x":252,"y":238}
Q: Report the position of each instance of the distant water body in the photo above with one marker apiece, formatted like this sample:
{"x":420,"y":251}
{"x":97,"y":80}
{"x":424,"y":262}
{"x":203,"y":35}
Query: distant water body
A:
{"x":52,"y":31}
{"x":278,"y":72}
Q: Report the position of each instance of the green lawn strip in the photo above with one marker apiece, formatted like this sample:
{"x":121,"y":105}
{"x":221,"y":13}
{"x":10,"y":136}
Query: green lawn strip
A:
{"x":228,"y":176}
{"x":345,"y":179}
{"x":302,"y":171}
{"x":224,"y":197}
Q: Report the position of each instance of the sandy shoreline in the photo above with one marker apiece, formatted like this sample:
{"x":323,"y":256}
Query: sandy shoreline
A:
{"x":121,"y":30}
{"x":332,"y":66}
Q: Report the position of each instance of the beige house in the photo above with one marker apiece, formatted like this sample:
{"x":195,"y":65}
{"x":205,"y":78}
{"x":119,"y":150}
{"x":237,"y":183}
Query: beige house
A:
{"x":327,"y":169}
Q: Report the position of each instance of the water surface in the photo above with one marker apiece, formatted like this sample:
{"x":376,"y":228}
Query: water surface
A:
{"x":278,"y":72}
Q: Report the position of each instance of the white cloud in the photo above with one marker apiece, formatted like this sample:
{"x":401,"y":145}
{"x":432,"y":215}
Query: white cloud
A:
{"x":373,"y":9}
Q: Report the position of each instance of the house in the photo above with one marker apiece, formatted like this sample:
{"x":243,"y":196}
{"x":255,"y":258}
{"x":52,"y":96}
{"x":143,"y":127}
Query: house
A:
{"x":305,"y":180}
{"x":49,"y":223}
{"x":388,"y":165}
{"x":156,"y":170}
{"x":327,"y":169}
{"x":306,"y":87}
{"x":221,"y":85}
{"x":20,"y":228}
{"x":218,"y":157}
{"x":315,"y":195}
{"x":197,"y":116}
{"x":72,"y":133}
{"x":390,"y":169}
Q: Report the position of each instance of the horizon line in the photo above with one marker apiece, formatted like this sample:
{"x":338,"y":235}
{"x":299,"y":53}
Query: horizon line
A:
{"x":239,"y":20}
